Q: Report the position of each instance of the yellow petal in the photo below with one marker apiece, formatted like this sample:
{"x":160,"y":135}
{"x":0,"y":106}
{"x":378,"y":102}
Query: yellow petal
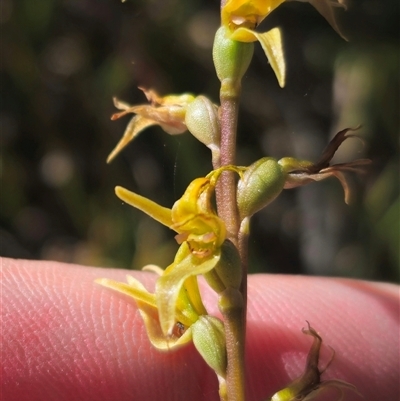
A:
{"x":168,"y":112}
{"x":146,"y":303}
{"x":187,"y":204}
{"x":134,"y":289}
{"x":157,"y":337}
{"x":168,"y":286}
{"x":170,"y":116}
{"x":197,"y":198}
{"x":251,"y":7}
{"x":181,"y":100}
{"x":153,"y":97}
{"x":191,"y":289}
{"x":153,"y":209}
{"x":150,"y":316}
{"x":253,"y":12}
{"x":120,"y":104}
{"x":135,"y":127}
{"x":272,"y":45}
{"x":186,"y":313}
{"x":244,"y":35}
{"x":154,"y":269}
{"x":194,"y":217}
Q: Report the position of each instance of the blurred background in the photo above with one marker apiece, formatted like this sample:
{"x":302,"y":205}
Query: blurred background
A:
{"x":64,"y":60}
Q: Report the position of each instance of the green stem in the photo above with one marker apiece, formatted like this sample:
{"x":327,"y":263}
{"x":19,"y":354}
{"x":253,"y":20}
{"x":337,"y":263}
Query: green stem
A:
{"x":231,"y":306}
{"x":226,"y":192}
{"x":234,"y":313}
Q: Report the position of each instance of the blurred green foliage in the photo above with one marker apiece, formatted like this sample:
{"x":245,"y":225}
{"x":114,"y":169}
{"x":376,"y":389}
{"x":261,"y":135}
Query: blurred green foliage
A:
{"x":63,"y":61}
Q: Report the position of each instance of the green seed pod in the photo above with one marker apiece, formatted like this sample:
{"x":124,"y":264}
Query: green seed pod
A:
{"x":262,"y":182}
{"x":231,"y":58}
{"x":209,"y":339}
{"x":202,"y":121}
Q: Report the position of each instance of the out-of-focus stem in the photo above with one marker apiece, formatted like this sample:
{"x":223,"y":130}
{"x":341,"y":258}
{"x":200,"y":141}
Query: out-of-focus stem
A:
{"x":231,"y":307}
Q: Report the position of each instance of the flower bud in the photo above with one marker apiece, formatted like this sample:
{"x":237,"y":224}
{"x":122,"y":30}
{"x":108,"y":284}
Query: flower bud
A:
{"x":202,"y":121}
{"x":209,"y":339}
{"x":231,"y":58}
{"x":262,"y":182}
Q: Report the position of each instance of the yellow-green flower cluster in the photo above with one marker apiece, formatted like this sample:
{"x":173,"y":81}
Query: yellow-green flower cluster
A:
{"x":201,"y":234}
{"x":175,"y":314}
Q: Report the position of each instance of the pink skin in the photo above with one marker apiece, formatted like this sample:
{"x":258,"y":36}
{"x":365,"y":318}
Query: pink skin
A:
{"x":66,"y":338}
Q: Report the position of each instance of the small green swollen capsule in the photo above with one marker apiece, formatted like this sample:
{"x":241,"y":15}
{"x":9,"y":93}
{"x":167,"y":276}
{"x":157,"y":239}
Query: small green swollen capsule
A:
{"x":231,"y":58}
{"x":202,"y":121}
{"x":261,"y":183}
{"x":209,"y":339}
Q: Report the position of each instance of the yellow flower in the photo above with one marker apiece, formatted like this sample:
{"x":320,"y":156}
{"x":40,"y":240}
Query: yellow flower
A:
{"x":241,"y":17}
{"x":167,"y":112}
{"x":191,"y":321}
{"x":192,"y":216}
{"x":250,"y":13}
{"x":247,"y":13}
{"x":189,"y":307}
{"x":201,"y":234}
{"x":301,"y":172}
